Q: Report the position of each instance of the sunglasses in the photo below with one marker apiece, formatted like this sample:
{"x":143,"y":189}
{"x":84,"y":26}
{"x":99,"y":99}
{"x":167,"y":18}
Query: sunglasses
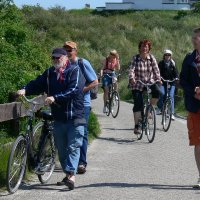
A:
{"x":55,"y":58}
{"x":70,"y":50}
{"x":167,"y":54}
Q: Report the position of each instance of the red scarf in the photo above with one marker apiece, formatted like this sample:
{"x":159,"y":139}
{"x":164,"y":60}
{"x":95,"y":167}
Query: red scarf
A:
{"x":60,"y":72}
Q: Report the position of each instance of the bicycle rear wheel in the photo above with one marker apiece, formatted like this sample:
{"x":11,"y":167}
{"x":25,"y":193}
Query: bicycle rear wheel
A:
{"x":47,"y":158}
{"x":150,"y":123}
{"x":167,"y":114}
{"x":16,"y":164}
{"x":115,"y":104}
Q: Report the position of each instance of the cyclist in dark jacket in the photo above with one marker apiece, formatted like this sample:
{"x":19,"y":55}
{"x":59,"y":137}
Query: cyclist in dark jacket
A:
{"x":64,"y":85}
{"x":168,"y":71}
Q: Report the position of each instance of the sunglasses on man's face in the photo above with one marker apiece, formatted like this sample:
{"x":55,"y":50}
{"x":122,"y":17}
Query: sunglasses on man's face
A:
{"x":55,"y":58}
{"x":167,"y":54}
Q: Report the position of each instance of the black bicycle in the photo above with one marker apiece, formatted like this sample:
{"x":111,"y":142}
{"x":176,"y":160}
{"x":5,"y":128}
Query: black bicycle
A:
{"x":37,"y":144}
{"x":167,"y":107}
{"x":148,"y":122}
{"x":113,"y":103}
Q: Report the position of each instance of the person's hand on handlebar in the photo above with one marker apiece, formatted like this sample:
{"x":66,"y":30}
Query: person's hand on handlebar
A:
{"x":49,"y":100}
{"x":132,"y":81}
{"x":21,"y":92}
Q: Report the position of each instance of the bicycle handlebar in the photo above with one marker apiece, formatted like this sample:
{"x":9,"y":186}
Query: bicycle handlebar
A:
{"x":169,"y":81}
{"x":32,"y":101}
{"x":147,"y":84}
{"x":111,"y":76}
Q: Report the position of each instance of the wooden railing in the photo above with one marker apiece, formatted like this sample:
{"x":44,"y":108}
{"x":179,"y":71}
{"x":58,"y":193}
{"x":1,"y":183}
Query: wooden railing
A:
{"x":15,"y":110}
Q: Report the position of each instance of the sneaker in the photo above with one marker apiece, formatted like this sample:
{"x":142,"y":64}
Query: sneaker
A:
{"x":158,"y":111}
{"x":104,"y":109}
{"x":173,"y":117}
{"x":137,"y":131}
{"x":197,"y":186}
{"x":41,"y":169}
{"x":60,"y":183}
{"x":66,"y":181}
{"x":81,"y":169}
{"x":70,"y":184}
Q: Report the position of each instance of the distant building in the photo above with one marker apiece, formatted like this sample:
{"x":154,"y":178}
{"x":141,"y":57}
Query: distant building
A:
{"x":149,"y":5}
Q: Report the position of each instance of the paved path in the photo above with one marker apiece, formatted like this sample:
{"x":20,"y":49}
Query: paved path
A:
{"x":121,"y":168}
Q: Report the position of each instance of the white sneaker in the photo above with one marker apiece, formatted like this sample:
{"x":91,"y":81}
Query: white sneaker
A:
{"x":173,"y":117}
{"x":158,"y":111}
{"x":197,"y":185}
{"x":104,"y":109}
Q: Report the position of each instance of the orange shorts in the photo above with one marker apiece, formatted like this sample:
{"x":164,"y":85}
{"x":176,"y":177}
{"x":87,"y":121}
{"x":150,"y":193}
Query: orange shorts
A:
{"x":193,"y":124}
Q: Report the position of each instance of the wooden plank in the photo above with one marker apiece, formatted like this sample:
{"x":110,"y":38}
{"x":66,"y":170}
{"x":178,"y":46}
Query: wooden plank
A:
{"x":15,"y":110}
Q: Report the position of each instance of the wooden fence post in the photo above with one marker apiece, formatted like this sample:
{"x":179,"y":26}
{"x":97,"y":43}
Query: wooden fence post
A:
{"x":14,"y":124}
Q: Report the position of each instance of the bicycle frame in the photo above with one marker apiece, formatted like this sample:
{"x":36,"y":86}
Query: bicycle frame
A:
{"x":29,"y":132}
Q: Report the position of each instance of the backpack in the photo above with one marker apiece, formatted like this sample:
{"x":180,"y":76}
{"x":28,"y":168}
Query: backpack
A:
{"x":93,"y":91}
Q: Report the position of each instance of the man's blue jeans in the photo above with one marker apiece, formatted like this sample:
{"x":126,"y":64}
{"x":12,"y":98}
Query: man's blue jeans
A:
{"x":68,"y":140}
{"x":163,"y":96}
{"x":83,"y":152}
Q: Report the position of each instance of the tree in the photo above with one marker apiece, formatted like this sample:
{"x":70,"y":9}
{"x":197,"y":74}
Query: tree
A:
{"x":5,"y":3}
{"x":196,"y":7}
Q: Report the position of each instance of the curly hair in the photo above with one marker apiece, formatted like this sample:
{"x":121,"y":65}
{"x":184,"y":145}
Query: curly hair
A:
{"x":145,"y":42}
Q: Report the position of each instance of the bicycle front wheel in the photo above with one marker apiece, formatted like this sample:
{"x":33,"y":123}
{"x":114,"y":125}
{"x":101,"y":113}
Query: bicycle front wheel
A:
{"x":108,"y":108}
{"x":47,"y":158}
{"x":115,"y":104}
{"x":16,"y":164}
{"x":167,"y":114}
{"x":150,"y":123}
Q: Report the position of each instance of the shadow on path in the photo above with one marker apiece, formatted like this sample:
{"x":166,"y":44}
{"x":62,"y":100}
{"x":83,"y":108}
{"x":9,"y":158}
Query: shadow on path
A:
{"x":135,"y":185}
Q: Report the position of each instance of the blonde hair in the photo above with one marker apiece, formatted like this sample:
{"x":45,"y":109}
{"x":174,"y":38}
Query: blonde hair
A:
{"x":113,"y":52}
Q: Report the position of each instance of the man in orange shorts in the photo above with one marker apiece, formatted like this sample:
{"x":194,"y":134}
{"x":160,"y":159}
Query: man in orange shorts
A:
{"x":190,"y":81}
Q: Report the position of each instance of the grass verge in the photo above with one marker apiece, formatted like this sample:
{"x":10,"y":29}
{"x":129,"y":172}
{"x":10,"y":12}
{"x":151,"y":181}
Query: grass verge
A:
{"x":93,"y":127}
{"x":4,"y":154}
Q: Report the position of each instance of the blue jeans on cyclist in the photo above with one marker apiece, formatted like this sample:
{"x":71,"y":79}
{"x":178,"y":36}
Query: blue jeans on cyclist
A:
{"x":106,"y":82}
{"x":163,"y":96}
{"x":68,"y":139}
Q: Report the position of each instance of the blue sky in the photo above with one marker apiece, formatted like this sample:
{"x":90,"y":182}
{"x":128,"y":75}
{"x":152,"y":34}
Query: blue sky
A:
{"x":69,"y":4}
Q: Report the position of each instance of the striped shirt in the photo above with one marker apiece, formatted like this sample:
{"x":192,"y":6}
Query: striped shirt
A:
{"x":145,"y":70}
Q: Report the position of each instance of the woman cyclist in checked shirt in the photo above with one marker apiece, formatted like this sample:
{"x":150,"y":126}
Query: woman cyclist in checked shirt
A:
{"x":109,"y":65}
{"x":144,"y":68}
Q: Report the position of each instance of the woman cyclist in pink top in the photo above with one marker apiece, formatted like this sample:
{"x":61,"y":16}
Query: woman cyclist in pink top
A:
{"x":109,"y":65}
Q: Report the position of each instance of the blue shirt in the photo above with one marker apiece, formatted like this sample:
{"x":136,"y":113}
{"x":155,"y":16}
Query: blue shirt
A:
{"x":90,"y":76}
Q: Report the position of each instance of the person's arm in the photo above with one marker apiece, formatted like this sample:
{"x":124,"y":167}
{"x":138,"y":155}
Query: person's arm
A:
{"x":90,"y":75}
{"x":131,"y":73}
{"x":176,"y":74}
{"x":74,"y":86}
{"x":156,"y":71}
{"x":185,"y":79}
{"x":35,"y":87}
